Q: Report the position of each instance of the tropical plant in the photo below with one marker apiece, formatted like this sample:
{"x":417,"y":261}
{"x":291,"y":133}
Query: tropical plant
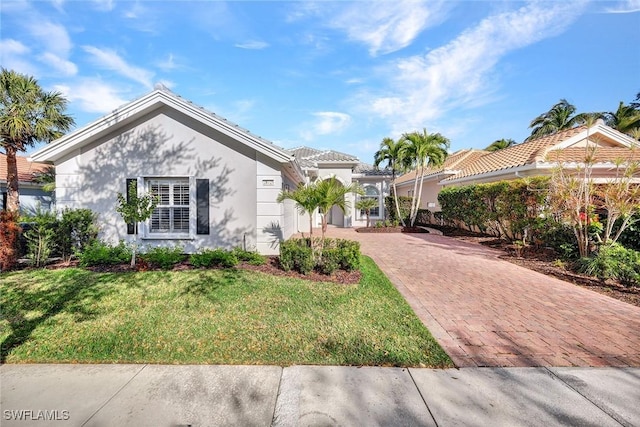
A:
{"x":424,"y":150}
{"x":500,"y":144}
{"x":329,"y":193}
{"x":392,"y":154}
{"x":560,"y":117}
{"x":571,"y":195}
{"x":305,"y":198}
{"x":366,"y":204}
{"x":625,"y":119}
{"x":47,"y":178}
{"x":135,"y":209}
{"x":28,"y":115}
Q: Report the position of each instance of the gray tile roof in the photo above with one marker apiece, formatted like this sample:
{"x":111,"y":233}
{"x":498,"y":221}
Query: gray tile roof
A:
{"x":369,"y":170}
{"x":309,"y":157}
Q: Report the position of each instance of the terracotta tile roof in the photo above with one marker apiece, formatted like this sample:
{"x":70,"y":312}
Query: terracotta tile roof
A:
{"x":518,"y":155}
{"x":26,"y":169}
{"x":454,"y":162}
{"x":600,"y":155}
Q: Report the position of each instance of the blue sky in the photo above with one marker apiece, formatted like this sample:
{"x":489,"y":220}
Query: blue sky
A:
{"x":335,"y":75}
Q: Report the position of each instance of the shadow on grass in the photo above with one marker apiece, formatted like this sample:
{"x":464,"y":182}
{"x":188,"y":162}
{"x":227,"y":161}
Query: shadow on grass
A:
{"x":206,"y":284}
{"x":72,"y":291}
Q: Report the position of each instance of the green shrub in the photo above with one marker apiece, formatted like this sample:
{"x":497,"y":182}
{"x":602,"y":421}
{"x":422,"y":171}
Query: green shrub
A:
{"x":214,"y":258}
{"x":404,"y":202}
{"x":250,"y":257}
{"x":99,"y":253}
{"x":423,"y":217}
{"x":613,"y":261}
{"x":630,"y":238}
{"x":559,"y":237}
{"x":330,"y":260}
{"x":349,"y":254}
{"x":164,"y":257}
{"x":39,"y":244}
{"x":76,"y":229}
{"x":296,"y":254}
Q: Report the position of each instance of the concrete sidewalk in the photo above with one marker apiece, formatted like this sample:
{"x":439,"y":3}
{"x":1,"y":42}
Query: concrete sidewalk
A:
{"x":160,"y":395}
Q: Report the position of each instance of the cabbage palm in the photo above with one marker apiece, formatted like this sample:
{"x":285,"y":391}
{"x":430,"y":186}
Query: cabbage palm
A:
{"x":625,"y":119}
{"x":560,"y":117}
{"x":425,"y":150}
{"x":500,"y":144}
{"x":28,"y":115}
{"x":393,"y":154}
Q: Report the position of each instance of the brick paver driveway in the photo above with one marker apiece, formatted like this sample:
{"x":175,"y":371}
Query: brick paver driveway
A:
{"x":488,"y":312}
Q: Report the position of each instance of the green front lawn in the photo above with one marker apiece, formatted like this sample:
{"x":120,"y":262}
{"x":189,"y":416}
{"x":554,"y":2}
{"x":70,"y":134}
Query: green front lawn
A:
{"x":209,"y":317}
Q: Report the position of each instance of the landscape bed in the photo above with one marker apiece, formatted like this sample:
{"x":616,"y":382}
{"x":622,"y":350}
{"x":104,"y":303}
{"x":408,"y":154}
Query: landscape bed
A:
{"x":229,"y":316}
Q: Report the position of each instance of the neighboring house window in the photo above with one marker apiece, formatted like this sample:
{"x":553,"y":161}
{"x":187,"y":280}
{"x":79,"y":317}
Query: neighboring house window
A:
{"x":371,"y":193}
{"x":171,"y":216}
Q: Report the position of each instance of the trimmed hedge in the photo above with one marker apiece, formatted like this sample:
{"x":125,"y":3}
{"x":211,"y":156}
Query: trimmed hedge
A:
{"x":325,"y":257}
{"x":507,"y":209}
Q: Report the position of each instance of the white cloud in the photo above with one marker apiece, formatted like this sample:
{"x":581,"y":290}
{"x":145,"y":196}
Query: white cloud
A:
{"x":252,"y":44}
{"x":110,"y":60}
{"x":104,"y":5}
{"x":14,"y":56}
{"x":67,"y":68}
{"x":327,"y":122}
{"x":629,"y":6}
{"x":387,"y":26}
{"x":92,"y":95}
{"x":12,"y":47}
{"x":54,"y":37}
{"x":424,"y":87}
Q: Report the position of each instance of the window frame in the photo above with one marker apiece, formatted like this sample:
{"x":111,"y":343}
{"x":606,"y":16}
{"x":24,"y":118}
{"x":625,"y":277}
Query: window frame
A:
{"x":145,"y":183}
{"x":378,"y":196}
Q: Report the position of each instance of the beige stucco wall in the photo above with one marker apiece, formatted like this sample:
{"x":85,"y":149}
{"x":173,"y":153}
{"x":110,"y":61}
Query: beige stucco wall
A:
{"x":166,"y":143}
{"x":430,"y":190}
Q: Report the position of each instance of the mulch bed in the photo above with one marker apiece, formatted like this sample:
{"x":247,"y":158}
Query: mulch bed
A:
{"x":545,"y":261}
{"x":271,"y":267}
{"x":398,"y":229}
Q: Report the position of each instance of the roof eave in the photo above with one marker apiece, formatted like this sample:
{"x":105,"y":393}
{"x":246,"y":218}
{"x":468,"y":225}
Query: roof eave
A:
{"x":144,"y":105}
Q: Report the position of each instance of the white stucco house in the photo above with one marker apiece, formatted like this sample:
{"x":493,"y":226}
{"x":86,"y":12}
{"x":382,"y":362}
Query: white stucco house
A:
{"x":217,"y":183}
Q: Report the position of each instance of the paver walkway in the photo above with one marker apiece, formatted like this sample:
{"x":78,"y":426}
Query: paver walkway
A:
{"x":488,"y":312}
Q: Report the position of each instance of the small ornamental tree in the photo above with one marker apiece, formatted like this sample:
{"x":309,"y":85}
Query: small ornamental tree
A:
{"x":134,"y":210}
{"x":366,"y":205}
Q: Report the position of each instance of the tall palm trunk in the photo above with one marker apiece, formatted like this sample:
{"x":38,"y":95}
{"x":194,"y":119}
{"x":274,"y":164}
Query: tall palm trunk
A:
{"x":395,"y":197}
{"x":418,"y":199}
{"x":13,"y":195}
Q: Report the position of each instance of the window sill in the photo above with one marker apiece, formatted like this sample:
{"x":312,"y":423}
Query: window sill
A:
{"x":169,"y":237}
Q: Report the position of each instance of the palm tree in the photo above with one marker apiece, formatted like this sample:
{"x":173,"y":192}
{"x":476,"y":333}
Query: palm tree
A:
{"x":329,"y":193}
{"x":28,"y":115}
{"x":424,"y":150}
{"x":306,"y":199}
{"x":625,"y":119}
{"x":500,"y":144}
{"x":366,"y":204}
{"x":392,"y":153}
{"x":560,"y":117}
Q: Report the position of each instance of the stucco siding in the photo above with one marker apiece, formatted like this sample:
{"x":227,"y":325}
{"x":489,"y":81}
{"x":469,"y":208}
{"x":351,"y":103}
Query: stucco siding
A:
{"x":160,"y":145}
{"x":270,"y":214}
